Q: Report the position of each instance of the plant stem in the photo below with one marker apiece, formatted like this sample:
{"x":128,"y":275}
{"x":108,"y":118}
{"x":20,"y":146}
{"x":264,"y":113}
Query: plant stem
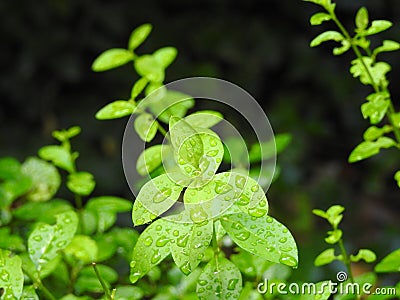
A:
{"x":162,"y":130}
{"x":102,"y":282}
{"x":346,"y":260}
{"x":391,"y":110}
{"x":215,"y":243}
{"x":39,"y":285}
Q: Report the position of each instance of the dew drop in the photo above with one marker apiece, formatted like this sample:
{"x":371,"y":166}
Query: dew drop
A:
{"x":257,"y":212}
{"x":186,"y":269}
{"x":232,"y":284}
{"x":140,"y":221}
{"x":202,"y":282}
{"x":162,"y":195}
{"x":61,"y":244}
{"x":199,"y":233}
{"x":263,"y":203}
{"x":135,"y":277}
{"x":200,"y":290}
{"x":213,"y":142}
{"x":243,"y":200}
{"x":285,"y":249}
{"x":4,"y":275}
{"x":162,"y":241}
{"x":175,"y":232}
{"x":288,"y":260}
{"x":188,"y":169}
{"x":182,"y":241}
{"x":198,"y":215}
{"x":148,"y":241}
{"x":242,"y":236}
{"x":270,"y":249}
{"x":240,"y":181}
{"x":285,"y":230}
{"x":132,"y":263}
{"x":255,"y":188}
{"x":212,"y":153}
{"x":156,"y":256}
{"x":260,"y":231}
{"x":37,"y":238}
{"x":237,"y":225}
{"x":283,"y":240}
{"x":269,"y":220}
{"x":222,"y":187}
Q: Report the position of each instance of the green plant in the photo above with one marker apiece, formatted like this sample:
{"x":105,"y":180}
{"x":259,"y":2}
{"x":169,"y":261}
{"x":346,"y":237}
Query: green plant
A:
{"x":379,"y":105}
{"x":185,"y":170}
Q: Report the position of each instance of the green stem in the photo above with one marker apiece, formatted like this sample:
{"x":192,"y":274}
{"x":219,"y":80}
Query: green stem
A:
{"x":374,"y":85}
{"x":215,"y":243}
{"x":346,"y":260}
{"x":162,"y":130}
{"x":39,"y":285}
{"x":102,"y":282}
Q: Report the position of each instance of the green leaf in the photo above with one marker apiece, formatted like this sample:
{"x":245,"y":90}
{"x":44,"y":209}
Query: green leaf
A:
{"x":165,"y":56}
{"x":367,"y":255}
{"x":115,"y":110}
{"x":264,"y":237}
{"x":190,"y":241}
{"x":325,"y":257}
{"x":326,"y":36}
{"x":87,"y":280}
{"x":46,"y":241}
{"x":138,"y":87}
{"x":320,"y":213}
{"x":334,"y":215}
{"x":362,"y":19}
{"x":150,"y":249}
{"x":106,"y":208}
{"x":320,"y":17}
{"x":334,"y":236}
{"x":387,"y":46}
{"x":149,"y":67}
{"x":49,"y":268}
{"x":42,"y":212}
{"x":149,"y":160}
{"x":59,"y":156}
{"x":378,"y":26}
{"x":373,"y":132}
{"x":266,"y":150}
{"x":129,"y":293}
{"x":45,"y":179}
{"x":111,"y":59}
{"x":64,"y":135}
{"x":73,"y":297}
{"x":376,"y":70}
{"x":146,"y":127}
{"x":204,"y":118}
{"x":186,"y":142}
{"x":10,"y":168}
{"x":397,"y":177}
{"x":376,"y":107}
{"x":155,"y":198}
{"x":395,"y":117}
{"x":82,"y":248}
{"x":220,"y":279}
{"x":29,"y":293}
{"x":346,"y":45}
{"x":139,"y":35}
{"x":13,"y":187}
{"x":390,"y":263}
{"x":368,"y":148}
{"x":11,"y":276}
{"x":11,"y":241}
{"x":81,"y":183}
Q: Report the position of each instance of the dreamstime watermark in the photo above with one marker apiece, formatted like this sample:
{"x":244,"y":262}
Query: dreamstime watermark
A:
{"x":342,"y":287}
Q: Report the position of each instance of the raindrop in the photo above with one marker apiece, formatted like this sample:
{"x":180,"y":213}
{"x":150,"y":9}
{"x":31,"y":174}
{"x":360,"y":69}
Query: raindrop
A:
{"x":175,"y":232}
{"x":240,"y":181}
{"x":237,"y":225}
{"x":283,"y":240}
{"x":288,"y":260}
{"x":135,"y":277}
{"x":37,"y":238}
{"x":257,"y":212}
{"x":199,"y":233}
{"x":186,"y":269}
{"x":67,"y":220}
{"x":222,"y":187}
{"x":162,"y":241}
{"x":232,"y":284}
{"x":203,"y":282}
{"x":285,"y":249}
{"x":213,"y":142}
{"x":158,"y":227}
{"x":4,"y":275}
{"x":148,"y":241}
{"x":255,"y":188}
{"x":188,"y":169}
{"x":285,"y":230}
{"x":140,"y":221}
{"x":182,"y":241}
{"x":253,"y":226}
{"x":61,"y":244}
{"x":269,"y":220}
{"x":242,"y":236}
{"x":200,"y":290}
{"x":270,"y":249}
{"x":212,"y":153}
{"x":198,"y":215}
{"x":156,"y":256}
{"x":243,"y":200}
{"x":209,"y":287}
{"x":263,"y":203}
{"x":162,"y":195}
{"x":132,"y":263}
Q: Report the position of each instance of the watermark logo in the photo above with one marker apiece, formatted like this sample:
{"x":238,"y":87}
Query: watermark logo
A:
{"x":342,"y":287}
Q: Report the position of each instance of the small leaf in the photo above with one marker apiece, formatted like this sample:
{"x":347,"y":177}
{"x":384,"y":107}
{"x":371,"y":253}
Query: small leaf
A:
{"x":45,"y":179}
{"x":146,"y":127}
{"x":326,"y":36}
{"x":115,"y":110}
{"x":367,"y":255}
{"x":334,"y":236}
{"x":390,"y":263}
{"x":266,"y":150}
{"x":11,"y":276}
{"x":364,"y":150}
{"x":346,"y":45}
{"x":320,"y":213}
{"x":264,"y":237}
{"x":138,"y":87}
{"x":220,"y":279}
{"x":362,"y":19}
{"x":46,"y":241}
{"x":29,"y":293}
{"x":10,"y":241}
{"x":59,"y":156}
{"x":375,"y":110}
{"x":326,"y":257}
{"x":81,"y":183}
{"x":149,"y":160}
{"x":397,"y":177}
{"x":334,"y":214}
{"x":149,"y":251}
{"x":155,"y":198}
{"x":111,"y":59}
{"x":373,"y":132}
{"x":378,"y":26}
{"x":387,"y":46}
{"x":82,"y":248}
{"x":318,"y":18}
{"x":376,"y":70}
{"x":165,"y":56}
{"x":139,"y":35}
{"x":64,"y":135}
{"x":204,"y":118}
{"x":149,"y":67}
{"x":106,"y":209}
{"x":190,"y":241}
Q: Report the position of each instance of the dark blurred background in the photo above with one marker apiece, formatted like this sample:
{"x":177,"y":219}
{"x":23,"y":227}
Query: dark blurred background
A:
{"x":47,"y":48}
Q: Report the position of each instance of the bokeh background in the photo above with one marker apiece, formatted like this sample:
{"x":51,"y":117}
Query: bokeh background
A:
{"x":46,"y":83}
